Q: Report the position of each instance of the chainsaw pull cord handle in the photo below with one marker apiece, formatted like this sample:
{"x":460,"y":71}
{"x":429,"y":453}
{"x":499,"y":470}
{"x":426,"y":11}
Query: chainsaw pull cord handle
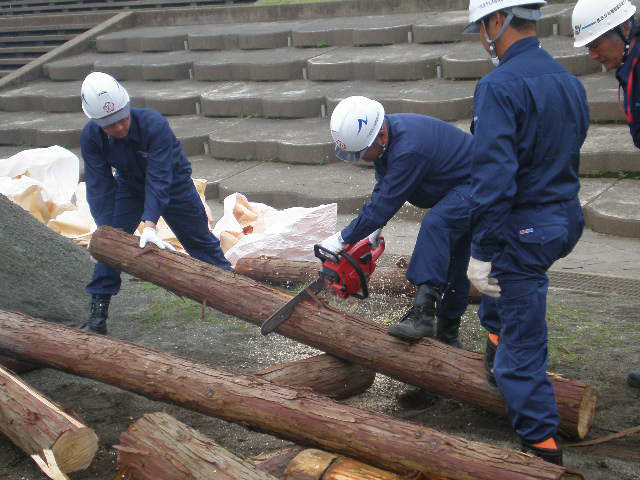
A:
{"x":363,"y":279}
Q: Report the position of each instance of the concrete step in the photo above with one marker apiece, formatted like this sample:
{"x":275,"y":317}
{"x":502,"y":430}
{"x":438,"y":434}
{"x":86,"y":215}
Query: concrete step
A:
{"x":15,"y":62}
{"x":612,"y":206}
{"x":41,"y":129}
{"x":52,"y":21}
{"x":37,"y":39}
{"x":399,"y":62}
{"x":55,"y":7}
{"x":469,"y":59}
{"x":34,"y":50}
{"x":43,"y":28}
{"x":364,"y":30}
{"x":300,"y":141}
{"x":608,"y":148}
{"x":279,"y":65}
{"x":445,"y":99}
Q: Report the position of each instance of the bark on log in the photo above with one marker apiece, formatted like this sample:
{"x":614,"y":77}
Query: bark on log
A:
{"x":385,"y":280}
{"x":34,"y":423}
{"x":17,"y":366}
{"x":157,"y":446}
{"x":428,"y":363}
{"x":298,"y":415}
{"x":324,"y":374}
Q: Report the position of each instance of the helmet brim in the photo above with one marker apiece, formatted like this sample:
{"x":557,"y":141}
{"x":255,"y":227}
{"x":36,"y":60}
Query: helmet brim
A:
{"x":114,"y":117}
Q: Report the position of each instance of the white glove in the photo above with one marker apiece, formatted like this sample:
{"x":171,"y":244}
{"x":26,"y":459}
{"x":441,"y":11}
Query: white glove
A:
{"x":334,"y":243}
{"x":149,"y":235}
{"x":478,"y":273}
{"x":373,"y":238}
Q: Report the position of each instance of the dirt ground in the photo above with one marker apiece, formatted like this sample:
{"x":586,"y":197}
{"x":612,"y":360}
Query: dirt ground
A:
{"x":595,"y":339}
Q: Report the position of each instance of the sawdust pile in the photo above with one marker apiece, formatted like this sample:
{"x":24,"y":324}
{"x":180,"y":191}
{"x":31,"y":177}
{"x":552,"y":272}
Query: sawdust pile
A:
{"x":42,"y":273}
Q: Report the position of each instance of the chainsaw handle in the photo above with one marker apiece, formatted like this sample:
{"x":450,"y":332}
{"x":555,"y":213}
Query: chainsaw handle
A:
{"x":325,"y":254}
{"x":363,"y":279}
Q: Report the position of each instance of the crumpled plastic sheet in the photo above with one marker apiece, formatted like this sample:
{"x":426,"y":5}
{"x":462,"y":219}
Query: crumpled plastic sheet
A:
{"x":251,"y":229}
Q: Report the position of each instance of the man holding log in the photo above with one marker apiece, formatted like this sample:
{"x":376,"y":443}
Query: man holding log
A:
{"x":152,"y":179}
{"x":424,"y":161}
{"x":530,"y":120}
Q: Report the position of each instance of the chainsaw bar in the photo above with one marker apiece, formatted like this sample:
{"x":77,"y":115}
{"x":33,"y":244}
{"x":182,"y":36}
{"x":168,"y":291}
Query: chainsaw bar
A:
{"x":281,"y":315}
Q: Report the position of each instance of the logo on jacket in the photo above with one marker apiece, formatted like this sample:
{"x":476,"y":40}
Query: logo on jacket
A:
{"x":108,"y":107}
{"x":524,"y":231}
{"x":362,"y":121}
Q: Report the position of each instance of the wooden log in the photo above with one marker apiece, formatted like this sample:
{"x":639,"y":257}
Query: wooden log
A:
{"x":17,"y":366}
{"x":429,"y":364}
{"x":35,"y":424}
{"x":324,"y":374}
{"x":312,"y":464}
{"x":157,"y":446}
{"x":385,"y":280}
{"x":298,"y":415}
{"x":276,"y":462}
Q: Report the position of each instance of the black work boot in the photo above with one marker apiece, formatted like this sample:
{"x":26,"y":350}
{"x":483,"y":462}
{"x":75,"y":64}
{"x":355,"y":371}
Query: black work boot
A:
{"x":489,"y":357}
{"x":634,"y":379}
{"x":97,"y":322}
{"x":551,"y":455}
{"x":448,"y":331}
{"x":419,"y":321}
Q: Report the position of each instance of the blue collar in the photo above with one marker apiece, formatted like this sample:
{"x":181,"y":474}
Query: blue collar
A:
{"x":521,"y":46}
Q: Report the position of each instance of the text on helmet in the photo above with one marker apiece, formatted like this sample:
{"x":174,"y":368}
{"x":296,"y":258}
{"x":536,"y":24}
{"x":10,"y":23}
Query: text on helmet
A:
{"x":579,"y":28}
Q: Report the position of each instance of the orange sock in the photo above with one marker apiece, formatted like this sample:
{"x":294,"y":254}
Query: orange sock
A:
{"x":549,"y":444}
{"x":494,"y":338}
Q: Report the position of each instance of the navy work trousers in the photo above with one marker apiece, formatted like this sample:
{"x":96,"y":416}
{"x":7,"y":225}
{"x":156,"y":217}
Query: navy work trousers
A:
{"x":441,"y":254}
{"x":186,"y":217}
{"x":534,"y":238}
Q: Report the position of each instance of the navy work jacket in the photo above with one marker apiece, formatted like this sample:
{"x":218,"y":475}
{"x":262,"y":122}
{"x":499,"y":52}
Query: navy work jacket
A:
{"x":424,"y":160}
{"x":627,"y":75}
{"x":149,"y":162}
{"x":530,"y":120}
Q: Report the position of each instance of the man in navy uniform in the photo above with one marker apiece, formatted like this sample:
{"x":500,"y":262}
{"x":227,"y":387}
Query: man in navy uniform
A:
{"x":530,"y":120}
{"x":152,"y":179}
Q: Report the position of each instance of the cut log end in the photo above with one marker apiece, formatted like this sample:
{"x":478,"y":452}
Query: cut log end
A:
{"x":75,"y":449}
{"x":586,"y":411}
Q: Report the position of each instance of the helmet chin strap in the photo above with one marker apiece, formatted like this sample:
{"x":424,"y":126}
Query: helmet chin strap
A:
{"x":492,"y":43}
{"x":383,"y":146}
{"x":626,"y":40}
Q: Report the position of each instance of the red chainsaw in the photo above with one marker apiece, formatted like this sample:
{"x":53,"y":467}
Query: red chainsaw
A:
{"x":345,"y":274}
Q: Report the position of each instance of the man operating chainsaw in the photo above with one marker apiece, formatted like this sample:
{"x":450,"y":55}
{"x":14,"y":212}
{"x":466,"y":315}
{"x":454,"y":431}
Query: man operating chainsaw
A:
{"x":426,"y":162}
{"x":152,"y":179}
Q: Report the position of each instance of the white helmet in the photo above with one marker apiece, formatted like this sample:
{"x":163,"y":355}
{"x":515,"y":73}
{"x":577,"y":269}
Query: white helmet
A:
{"x":592,"y":19}
{"x":478,"y":9}
{"x":104,"y":100}
{"x":355,"y":123}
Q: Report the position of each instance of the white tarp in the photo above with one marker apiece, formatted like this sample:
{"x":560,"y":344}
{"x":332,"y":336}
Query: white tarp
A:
{"x":250,"y":229}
